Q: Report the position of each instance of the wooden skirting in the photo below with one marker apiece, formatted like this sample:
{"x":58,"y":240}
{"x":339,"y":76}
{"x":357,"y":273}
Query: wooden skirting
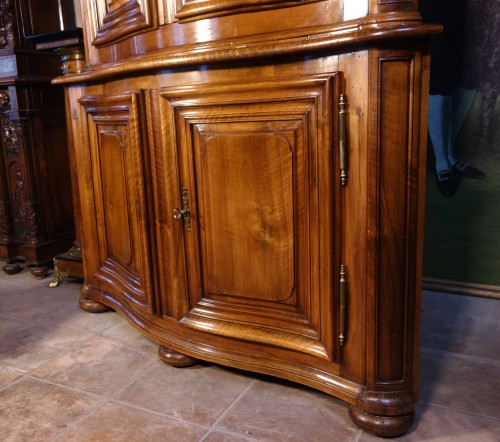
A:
{"x":462,"y":288}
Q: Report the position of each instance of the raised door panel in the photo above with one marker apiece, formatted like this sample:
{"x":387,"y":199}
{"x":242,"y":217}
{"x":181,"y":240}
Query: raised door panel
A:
{"x":114,"y":20}
{"x":256,"y":169}
{"x":121,"y":264}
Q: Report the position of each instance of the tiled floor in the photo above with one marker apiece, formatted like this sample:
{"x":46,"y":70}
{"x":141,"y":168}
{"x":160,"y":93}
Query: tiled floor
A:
{"x":67,"y":375}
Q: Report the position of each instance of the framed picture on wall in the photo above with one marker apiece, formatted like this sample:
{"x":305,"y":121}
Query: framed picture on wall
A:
{"x":462,"y":229}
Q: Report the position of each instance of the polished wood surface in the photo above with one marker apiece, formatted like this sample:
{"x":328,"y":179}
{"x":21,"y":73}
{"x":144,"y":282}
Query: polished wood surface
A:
{"x":227,"y":211}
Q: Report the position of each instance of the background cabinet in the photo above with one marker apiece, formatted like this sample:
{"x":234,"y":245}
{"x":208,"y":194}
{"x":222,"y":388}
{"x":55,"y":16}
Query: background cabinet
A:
{"x":251,"y":188}
{"x":36,"y":211}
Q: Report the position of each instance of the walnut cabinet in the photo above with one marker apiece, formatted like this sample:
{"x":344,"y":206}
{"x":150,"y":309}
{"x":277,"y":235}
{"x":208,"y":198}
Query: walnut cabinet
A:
{"x":251,"y":187}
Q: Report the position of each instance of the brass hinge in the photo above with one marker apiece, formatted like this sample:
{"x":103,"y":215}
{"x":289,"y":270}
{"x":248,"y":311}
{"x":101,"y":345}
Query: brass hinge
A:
{"x":342,"y":304}
{"x":342,"y":141}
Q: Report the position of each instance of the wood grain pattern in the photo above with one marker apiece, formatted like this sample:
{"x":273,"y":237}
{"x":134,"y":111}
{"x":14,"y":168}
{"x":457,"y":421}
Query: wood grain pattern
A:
{"x":251,"y":171}
{"x":114,"y":20}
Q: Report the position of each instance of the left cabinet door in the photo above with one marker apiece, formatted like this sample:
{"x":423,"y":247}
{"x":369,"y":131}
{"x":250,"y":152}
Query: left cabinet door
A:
{"x":112,"y":159}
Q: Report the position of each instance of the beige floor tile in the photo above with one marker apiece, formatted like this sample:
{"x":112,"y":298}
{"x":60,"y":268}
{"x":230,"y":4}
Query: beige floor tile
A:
{"x":41,"y":300}
{"x":273,"y":412}
{"x":444,"y":425}
{"x":119,"y":423}
{"x":10,"y":325}
{"x":26,"y":347}
{"x":197,"y":394}
{"x":460,"y":381}
{"x":8,"y":376}
{"x":471,"y":336}
{"x":35,"y":411}
{"x":10,"y":284}
{"x":101,"y":365}
{"x":219,"y":436}
{"x":74,"y":318}
{"x":126,"y":332}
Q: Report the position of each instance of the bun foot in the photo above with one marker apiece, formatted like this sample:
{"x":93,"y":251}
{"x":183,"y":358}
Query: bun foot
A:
{"x":384,"y":426}
{"x":386,"y":414}
{"x":92,"y":306}
{"x":40,"y":272}
{"x":174,"y":358}
{"x":11,"y":268}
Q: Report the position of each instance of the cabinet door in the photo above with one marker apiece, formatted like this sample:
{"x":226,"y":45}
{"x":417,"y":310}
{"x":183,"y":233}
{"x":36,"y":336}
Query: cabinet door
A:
{"x":112,"y":21}
{"x":115,"y":219}
{"x":251,"y":198}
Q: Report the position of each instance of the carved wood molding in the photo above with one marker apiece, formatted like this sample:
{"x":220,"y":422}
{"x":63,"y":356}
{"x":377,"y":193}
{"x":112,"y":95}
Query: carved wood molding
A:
{"x":304,"y":40}
{"x":25,"y":208}
{"x":6,"y":225}
{"x":115,"y":20}
{"x":197,"y":9}
{"x":6,"y":23}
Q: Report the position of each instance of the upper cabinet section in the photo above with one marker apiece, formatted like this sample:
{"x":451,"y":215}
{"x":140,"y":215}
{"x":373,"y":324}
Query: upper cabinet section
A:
{"x":114,"y":20}
{"x":136,"y":36}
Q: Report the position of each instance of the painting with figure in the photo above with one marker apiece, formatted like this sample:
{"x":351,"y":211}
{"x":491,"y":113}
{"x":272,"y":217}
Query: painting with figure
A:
{"x":462,"y":233}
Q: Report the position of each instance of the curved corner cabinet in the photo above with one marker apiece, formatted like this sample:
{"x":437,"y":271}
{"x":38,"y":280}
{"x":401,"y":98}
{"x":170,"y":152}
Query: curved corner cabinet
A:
{"x":251,"y":184}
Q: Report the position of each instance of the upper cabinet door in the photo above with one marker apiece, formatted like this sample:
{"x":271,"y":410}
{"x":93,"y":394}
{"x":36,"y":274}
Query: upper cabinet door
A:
{"x":114,"y":20}
{"x":250,"y":198}
{"x":116,"y":230}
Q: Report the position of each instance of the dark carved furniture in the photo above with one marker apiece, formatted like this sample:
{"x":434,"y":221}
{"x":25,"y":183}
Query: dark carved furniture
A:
{"x":251,"y":181}
{"x":68,"y":45}
{"x":36,"y":210}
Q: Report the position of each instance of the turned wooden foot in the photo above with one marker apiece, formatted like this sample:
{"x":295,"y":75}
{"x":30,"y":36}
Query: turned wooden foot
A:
{"x":91,"y":306}
{"x":40,"y":272}
{"x":175,"y":358}
{"x":383,"y":414}
{"x":11,"y":268}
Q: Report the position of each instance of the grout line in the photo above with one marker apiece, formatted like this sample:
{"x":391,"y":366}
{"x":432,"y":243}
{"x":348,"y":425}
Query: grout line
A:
{"x":459,"y":410}
{"x":464,"y":355}
{"x":157,"y":413}
{"x":135,"y":379}
{"x":227,"y":410}
{"x":12,"y":383}
{"x":358,"y":435}
{"x":10,"y":316}
{"x":66,"y":387}
{"x":103,"y":401}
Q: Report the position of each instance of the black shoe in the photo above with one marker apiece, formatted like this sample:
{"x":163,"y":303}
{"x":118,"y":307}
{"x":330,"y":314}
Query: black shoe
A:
{"x":446,"y":183}
{"x":465,"y":170}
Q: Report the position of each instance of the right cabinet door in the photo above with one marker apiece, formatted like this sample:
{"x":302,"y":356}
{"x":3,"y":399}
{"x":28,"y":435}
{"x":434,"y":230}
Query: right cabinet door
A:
{"x":250,"y":212}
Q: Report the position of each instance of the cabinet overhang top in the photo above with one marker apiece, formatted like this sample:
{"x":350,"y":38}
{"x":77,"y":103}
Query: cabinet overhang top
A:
{"x":332,"y":37}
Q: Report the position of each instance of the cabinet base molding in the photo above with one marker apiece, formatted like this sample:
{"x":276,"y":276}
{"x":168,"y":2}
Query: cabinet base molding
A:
{"x":383,"y":413}
{"x":174,"y":358}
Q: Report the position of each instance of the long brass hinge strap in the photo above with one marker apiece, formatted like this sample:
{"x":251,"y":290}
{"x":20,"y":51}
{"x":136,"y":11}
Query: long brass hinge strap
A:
{"x":342,"y":304}
{"x":342,"y":141}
